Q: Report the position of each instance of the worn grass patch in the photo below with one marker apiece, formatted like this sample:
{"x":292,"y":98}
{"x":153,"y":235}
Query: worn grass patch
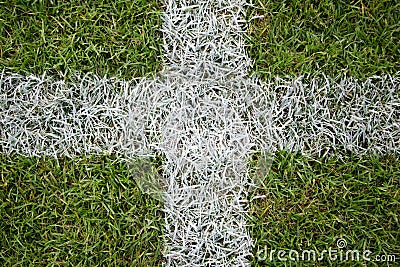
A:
{"x":114,"y":38}
{"x":358,"y":38}
{"x":310,"y":204}
{"x":75,"y":212}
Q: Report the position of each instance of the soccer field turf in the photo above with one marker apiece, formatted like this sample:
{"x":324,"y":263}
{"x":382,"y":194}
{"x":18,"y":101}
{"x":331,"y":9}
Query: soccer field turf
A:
{"x":89,"y":211}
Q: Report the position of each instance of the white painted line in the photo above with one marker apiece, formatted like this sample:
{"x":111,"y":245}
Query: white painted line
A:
{"x":205,"y":115}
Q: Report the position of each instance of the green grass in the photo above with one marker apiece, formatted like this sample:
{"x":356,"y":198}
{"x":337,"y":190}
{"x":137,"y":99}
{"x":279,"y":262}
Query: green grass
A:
{"x":89,"y":211}
{"x":358,"y":38}
{"x":309,"y":204}
{"x":75,"y":212}
{"x":114,"y":38}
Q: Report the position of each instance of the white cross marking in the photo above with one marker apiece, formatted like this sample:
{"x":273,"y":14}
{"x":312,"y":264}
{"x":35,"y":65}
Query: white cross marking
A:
{"x":205,"y":137}
{"x":205,"y":115}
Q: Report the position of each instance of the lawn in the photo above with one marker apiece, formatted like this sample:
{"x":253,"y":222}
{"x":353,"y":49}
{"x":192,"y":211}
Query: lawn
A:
{"x":357,"y":38}
{"x":75,"y":212}
{"x":90,"y":212}
{"x":311,"y":203}
{"x":113,"y":38}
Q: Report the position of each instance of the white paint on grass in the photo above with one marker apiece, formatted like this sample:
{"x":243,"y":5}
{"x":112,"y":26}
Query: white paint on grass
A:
{"x":206,"y":116}
{"x":200,"y":126}
{"x":92,"y":115}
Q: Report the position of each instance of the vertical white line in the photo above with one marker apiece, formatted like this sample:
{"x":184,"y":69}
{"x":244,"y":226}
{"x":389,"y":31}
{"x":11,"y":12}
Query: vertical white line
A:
{"x":205,"y":140}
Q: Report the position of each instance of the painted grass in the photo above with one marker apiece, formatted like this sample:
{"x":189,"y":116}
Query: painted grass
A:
{"x":357,"y":38}
{"x":89,"y":211}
